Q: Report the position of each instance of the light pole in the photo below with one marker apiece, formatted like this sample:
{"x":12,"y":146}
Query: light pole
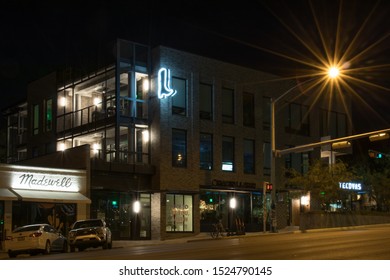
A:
{"x":332,"y":73}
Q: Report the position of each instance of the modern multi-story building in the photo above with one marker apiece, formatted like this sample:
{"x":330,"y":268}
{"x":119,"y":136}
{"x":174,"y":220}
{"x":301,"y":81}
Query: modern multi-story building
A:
{"x":167,"y":142}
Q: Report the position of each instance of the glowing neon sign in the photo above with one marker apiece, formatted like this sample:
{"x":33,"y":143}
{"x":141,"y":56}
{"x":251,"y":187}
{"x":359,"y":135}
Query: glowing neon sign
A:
{"x":40,"y":181}
{"x":164,"y":84}
{"x":350,"y":186}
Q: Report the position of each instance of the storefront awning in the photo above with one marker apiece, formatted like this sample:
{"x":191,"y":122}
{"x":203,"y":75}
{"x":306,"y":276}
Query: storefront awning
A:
{"x":6,"y":194}
{"x":52,"y":196}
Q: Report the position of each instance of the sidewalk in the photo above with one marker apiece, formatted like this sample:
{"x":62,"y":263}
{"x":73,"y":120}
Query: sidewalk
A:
{"x":199,"y":237}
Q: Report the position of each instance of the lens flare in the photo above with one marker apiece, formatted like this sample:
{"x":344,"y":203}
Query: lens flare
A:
{"x":333,"y":72}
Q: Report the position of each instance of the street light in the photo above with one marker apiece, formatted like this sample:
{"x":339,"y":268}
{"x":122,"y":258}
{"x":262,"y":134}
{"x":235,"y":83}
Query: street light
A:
{"x":332,"y":73}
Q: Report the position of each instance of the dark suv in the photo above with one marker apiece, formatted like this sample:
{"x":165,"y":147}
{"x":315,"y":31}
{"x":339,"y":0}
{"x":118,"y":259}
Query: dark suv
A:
{"x":89,"y":233}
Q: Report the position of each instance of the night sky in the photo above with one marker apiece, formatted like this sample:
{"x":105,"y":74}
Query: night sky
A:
{"x":288,"y":38}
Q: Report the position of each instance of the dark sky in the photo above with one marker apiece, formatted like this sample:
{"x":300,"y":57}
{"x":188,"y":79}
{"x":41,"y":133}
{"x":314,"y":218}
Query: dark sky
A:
{"x":285,"y":37}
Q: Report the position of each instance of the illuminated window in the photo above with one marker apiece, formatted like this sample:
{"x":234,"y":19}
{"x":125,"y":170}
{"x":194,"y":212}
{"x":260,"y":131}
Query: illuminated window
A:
{"x":179,"y":148}
{"x":227,"y":154}
{"x":179,"y":213}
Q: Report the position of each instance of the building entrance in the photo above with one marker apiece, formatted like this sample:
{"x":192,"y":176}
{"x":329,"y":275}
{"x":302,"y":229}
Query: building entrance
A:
{"x":231,"y":206}
{"x":127,"y":214}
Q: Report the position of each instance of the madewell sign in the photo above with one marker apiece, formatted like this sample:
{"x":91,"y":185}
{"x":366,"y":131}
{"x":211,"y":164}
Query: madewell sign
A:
{"x":42,"y":181}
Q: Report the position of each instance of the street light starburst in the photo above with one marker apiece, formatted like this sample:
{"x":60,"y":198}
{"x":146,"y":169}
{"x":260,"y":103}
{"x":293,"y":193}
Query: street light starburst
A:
{"x":333,"y":72}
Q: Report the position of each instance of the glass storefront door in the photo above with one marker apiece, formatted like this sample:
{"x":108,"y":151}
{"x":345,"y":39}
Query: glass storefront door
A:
{"x":231,"y":207}
{"x":117,"y":209}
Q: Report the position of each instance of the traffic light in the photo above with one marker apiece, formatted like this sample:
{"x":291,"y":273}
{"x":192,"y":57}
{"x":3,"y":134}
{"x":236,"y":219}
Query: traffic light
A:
{"x":375,"y":154}
{"x":267,"y":187}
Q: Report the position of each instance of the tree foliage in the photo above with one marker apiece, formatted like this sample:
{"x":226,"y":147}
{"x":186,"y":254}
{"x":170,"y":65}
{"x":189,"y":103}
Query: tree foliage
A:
{"x":321,"y":180}
{"x":375,"y":175}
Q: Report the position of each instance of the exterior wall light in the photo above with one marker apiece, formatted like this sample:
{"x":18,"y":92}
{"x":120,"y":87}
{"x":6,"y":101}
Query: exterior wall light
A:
{"x":233,"y":203}
{"x":136,"y":206}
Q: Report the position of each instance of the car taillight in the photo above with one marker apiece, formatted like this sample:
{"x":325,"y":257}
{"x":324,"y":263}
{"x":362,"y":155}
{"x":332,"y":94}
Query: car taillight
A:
{"x":35,"y":234}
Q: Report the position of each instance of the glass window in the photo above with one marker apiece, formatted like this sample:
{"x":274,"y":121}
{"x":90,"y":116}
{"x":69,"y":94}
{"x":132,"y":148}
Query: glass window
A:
{"x":179,"y":100}
{"x":179,"y":148}
{"x":35,"y":119}
{"x":266,"y":113}
{"x":297,"y":119}
{"x":300,"y":162}
{"x":206,"y":151}
{"x":205,"y":101}
{"x":58,"y":215}
{"x":142,"y":90}
{"x":227,"y":105}
{"x":341,"y":125}
{"x":227,"y":153}
{"x":213,"y":207}
{"x":333,"y":124}
{"x":248,"y":104}
{"x":249,"y":156}
{"x":49,"y":115}
{"x":179,"y":213}
{"x":2,"y":237}
{"x":267,"y":158}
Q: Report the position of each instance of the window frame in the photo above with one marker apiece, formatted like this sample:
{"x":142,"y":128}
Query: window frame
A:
{"x":177,"y":110}
{"x":178,"y":155}
{"x":206,"y":115}
{"x":175,"y":216}
{"x":209,"y":154}
{"x":228,"y":154}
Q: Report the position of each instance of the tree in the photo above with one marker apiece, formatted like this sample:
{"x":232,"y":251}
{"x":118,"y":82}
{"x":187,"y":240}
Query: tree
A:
{"x":375,"y":175}
{"x":321,"y":180}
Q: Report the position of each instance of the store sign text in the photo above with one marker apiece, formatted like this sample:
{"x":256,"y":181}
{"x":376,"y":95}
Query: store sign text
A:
{"x":38,"y":181}
{"x":350,"y":186}
{"x":164,"y":84}
{"x":234,"y":184}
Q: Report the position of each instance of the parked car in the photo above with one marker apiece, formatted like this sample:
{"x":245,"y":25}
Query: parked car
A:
{"x":89,"y":233}
{"x":34,"y":239}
